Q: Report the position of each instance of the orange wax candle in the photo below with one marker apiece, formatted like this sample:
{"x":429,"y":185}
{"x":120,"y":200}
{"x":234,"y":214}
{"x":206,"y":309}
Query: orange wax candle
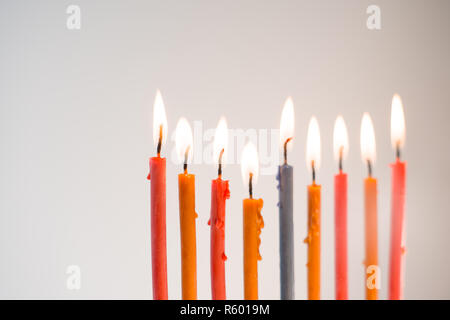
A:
{"x":253,"y":222}
{"x":313,"y":150}
{"x":371,"y":231}
{"x":186,"y":187}
{"x":313,"y":241}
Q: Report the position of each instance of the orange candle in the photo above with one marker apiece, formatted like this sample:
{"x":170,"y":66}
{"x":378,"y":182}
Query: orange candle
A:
{"x":398,"y":199}
{"x":186,"y":194}
{"x":157,"y":177}
{"x":219,"y":194}
{"x":253,"y":223}
{"x":372,"y":281}
{"x":313,"y":238}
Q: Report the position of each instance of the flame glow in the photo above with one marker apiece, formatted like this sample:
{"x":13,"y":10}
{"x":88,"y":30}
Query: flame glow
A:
{"x":159,"y":119}
{"x":340,"y":138}
{"x":183,"y":140}
{"x":367,"y":139}
{"x":287,"y":123}
{"x":313,"y":147}
{"x":220,"y":141}
{"x":397,"y":122}
{"x":249,"y":163}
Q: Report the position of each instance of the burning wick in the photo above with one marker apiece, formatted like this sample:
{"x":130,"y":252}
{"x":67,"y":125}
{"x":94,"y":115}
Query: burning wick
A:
{"x":313,"y":172}
{"x":397,"y":151}
{"x":219,"y":171}
{"x":341,"y":151}
{"x":285,"y":149}
{"x":158,"y":148}
{"x":186,"y":155}
{"x":250,"y":186}
{"x":369,"y":167}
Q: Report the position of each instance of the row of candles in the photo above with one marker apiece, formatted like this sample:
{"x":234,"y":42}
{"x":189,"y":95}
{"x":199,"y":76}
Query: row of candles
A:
{"x":252,"y":218}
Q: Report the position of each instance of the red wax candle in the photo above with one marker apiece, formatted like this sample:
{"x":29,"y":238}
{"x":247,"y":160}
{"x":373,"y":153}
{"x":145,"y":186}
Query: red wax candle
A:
{"x":219,"y":194}
{"x":340,"y":216}
{"x":397,"y":230}
{"x":157,"y":178}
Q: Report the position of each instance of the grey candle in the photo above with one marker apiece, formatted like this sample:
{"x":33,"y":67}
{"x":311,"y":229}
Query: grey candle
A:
{"x":285,"y":186}
{"x":286,"y":232}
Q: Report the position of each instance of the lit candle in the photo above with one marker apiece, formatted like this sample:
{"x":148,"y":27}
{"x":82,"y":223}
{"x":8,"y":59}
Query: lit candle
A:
{"x":186,"y":195}
{"x":253,"y":222}
{"x":398,"y":202}
{"x":219,"y":194}
{"x":313,"y":150}
{"x":368,"y":148}
{"x":157,"y":177}
{"x":285,"y":178}
{"x":340,"y":144}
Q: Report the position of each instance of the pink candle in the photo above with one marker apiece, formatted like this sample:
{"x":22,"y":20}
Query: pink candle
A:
{"x":398,"y":202}
{"x":340,"y":138}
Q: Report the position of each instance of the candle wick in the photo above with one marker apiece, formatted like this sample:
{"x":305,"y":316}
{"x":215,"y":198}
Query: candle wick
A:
{"x":219,"y":170}
{"x":186,"y":155}
{"x":158,"y":148}
{"x":369,"y":167}
{"x":341,"y":151}
{"x":313,"y":172}
{"x":285,"y":149}
{"x":397,"y":151}
{"x":250,"y":186}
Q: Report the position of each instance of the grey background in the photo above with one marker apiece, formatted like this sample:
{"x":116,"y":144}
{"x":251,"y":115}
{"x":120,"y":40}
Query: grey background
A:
{"x":76,"y":134}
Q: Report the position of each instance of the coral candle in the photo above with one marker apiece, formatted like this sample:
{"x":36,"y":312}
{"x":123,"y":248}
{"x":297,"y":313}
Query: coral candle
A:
{"x":253,"y":223}
{"x":285,"y":186}
{"x":219,"y":194}
{"x":367,"y":141}
{"x":398,"y":202}
{"x":157,"y":177}
{"x":186,"y":195}
{"x":340,"y":144}
{"x":313,"y":150}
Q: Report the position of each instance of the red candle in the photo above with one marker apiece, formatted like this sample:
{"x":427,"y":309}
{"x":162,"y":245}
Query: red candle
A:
{"x":398,"y":202}
{"x":157,"y":177}
{"x":340,"y":209}
{"x":219,"y":194}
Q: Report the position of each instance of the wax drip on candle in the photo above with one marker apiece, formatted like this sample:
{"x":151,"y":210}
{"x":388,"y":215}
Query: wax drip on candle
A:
{"x":285,"y":149}
{"x":219,"y":170}
{"x":158,"y":148}
{"x":259,"y":225}
{"x":250,"y":186}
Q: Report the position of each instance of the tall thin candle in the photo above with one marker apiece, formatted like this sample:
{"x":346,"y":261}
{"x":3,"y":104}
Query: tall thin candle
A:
{"x":252,"y":222}
{"x":219,"y":194}
{"x":340,"y":144}
{"x":398,"y":202}
{"x":157,"y":177}
{"x":313,"y":150}
{"x":368,"y":152}
{"x":285,"y":178}
{"x":186,"y":195}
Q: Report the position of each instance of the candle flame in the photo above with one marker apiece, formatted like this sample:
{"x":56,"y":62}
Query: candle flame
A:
{"x":220,"y":141}
{"x":313,"y":147}
{"x":183,"y":140}
{"x":249,"y":163}
{"x":367,"y":139}
{"x":397,"y":122}
{"x":340,"y":139}
{"x":287,"y":123}
{"x":159,"y":120}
